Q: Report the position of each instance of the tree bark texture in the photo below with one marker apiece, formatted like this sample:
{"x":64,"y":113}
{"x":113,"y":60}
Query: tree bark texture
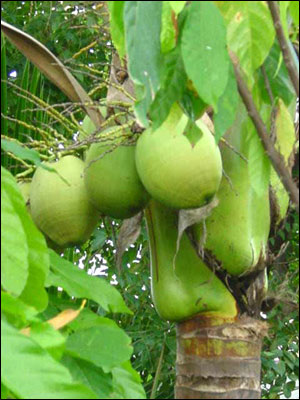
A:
{"x":219,"y":358}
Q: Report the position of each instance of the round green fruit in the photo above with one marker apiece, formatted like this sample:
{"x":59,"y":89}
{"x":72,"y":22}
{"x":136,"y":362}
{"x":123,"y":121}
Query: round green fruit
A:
{"x":179,"y":163}
{"x":112,"y":182}
{"x":25,"y":191}
{"x":59,"y":203}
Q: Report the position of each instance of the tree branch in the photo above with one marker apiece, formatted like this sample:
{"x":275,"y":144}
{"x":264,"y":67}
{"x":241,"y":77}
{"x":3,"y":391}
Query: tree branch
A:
{"x":283,"y":43}
{"x":275,"y":157}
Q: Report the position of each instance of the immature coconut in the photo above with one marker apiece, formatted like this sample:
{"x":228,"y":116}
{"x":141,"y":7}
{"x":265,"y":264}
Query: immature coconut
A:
{"x":179,"y":163}
{"x":59,"y":203}
{"x":112,"y":182}
{"x":25,"y":191}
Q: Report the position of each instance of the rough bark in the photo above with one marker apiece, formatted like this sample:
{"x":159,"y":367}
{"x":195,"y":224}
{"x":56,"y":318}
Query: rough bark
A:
{"x":219,"y":358}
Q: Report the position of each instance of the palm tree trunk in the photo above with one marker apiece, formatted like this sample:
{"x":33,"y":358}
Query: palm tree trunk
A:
{"x":218,"y":358}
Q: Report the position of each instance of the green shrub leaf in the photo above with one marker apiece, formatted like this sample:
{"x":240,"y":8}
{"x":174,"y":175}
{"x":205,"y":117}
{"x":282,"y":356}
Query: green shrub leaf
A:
{"x":116,"y":10}
{"x":245,"y":20}
{"x":142,"y":31}
{"x":27,"y":368}
{"x":104,"y":344}
{"x":79,"y":284}
{"x":204,"y":51}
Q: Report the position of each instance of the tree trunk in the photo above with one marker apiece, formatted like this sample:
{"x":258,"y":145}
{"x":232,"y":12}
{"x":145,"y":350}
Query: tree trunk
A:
{"x":218,"y":358}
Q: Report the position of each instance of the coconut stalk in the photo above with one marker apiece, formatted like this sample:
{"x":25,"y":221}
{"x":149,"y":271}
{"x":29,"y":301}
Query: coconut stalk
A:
{"x":219,"y":358}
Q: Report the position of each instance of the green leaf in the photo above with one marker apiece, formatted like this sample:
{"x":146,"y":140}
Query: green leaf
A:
{"x":285,"y":142}
{"x":21,"y":152}
{"x":90,"y":375}
{"x":14,"y":271}
{"x":283,"y":7}
{"x":227,"y":107}
{"x":104,"y":344}
{"x":4,"y":103}
{"x":16,"y":311}
{"x":99,"y":239}
{"x":294,"y":11}
{"x":192,"y":105}
{"x":37,"y":257}
{"x":168,"y":34}
{"x":259,"y":164}
{"x":177,"y":6}
{"x":204,"y":51}
{"x":285,"y":131}
{"x":142,"y":31}
{"x":279,"y":367}
{"x":78,"y":283}
{"x":193,"y":133}
{"x":250,"y":32}
{"x":24,"y":364}
{"x":24,"y":153}
{"x":172,"y":89}
{"x":127,"y":383}
{"x":279,"y":80}
{"x":48,"y":338}
{"x":116,"y":10}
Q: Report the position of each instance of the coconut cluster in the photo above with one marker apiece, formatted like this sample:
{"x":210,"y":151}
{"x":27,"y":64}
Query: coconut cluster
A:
{"x":118,"y":180}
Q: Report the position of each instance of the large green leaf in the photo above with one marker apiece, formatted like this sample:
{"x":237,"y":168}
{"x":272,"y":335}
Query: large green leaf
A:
{"x":31,"y":373}
{"x":48,"y":338}
{"x":177,"y":6}
{"x":127,"y":383}
{"x":37,"y":258}
{"x":116,"y":10}
{"x":204,"y":51}
{"x":90,"y":375}
{"x":278,"y":78}
{"x":104,"y":344}
{"x":285,"y":131}
{"x":250,"y":31}
{"x":285,"y":144}
{"x":79,"y":284}
{"x":24,"y":153}
{"x":227,"y":106}
{"x":172,"y":89}
{"x":14,"y":253}
{"x":283,"y":8}
{"x":142,"y":31}
{"x":16,"y":311}
{"x":259,"y":163}
{"x":168,"y":34}
{"x":294,"y":10}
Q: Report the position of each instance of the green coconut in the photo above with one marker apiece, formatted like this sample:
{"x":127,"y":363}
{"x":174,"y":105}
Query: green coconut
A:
{"x":59,"y":203}
{"x":25,"y":191}
{"x":179,"y":163}
{"x":237,"y":230}
{"x":112,"y":182}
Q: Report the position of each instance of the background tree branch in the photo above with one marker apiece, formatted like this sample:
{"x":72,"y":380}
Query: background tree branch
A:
{"x":275,"y":157}
{"x":283,"y":43}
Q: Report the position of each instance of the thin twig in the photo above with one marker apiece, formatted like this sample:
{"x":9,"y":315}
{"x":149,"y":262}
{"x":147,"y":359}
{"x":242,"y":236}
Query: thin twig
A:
{"x":283,"y":43}
{"x":275,"y":157}
{"x":158,"y":370}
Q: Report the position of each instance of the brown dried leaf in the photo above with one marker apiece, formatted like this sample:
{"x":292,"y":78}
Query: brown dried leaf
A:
{"x":129,"y":232}
{"x":119,"y":77}
{"x":193,"y":216}
{"x":60,"y":320}
{"x":53,"y":68}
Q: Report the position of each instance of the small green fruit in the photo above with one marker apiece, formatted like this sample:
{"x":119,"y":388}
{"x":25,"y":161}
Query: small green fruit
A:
{"x":180,"y":167}
{"x":112,"y":182}
{"x":61,"y":209}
